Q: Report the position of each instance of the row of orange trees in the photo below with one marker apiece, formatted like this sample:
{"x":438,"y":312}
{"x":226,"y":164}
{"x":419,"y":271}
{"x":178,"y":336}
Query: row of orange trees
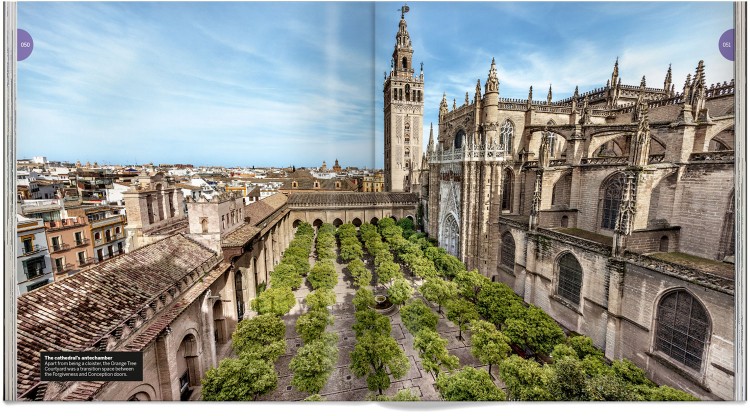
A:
{"x":498,"y":319}
{"x":259,"y":342}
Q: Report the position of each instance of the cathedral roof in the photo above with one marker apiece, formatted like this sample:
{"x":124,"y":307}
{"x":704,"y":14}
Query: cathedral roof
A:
{"x":352,"y":198}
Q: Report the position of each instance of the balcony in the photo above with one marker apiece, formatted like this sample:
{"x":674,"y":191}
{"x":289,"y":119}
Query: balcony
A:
{"x":82,"y":242}
{"x":35,"y":272}
{"x":33,"y":249}
{"x":66,"y":223}
{"x":107,"y":221}
{"x":59,"y":247}
{"x":86,"y":262}
{"x":63,"y":268}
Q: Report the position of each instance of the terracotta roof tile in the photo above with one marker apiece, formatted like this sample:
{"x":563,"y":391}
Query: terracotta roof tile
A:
{"x":240,"y":236}
{"x":256,"y":212}
{"x":354,"y":198}
{"x":73,"y":313}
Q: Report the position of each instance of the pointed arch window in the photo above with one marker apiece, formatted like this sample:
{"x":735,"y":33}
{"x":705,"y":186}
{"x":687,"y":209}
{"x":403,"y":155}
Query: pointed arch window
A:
{"x":507,"y":204}
{"x":611,"y":199}
{"x":459,"y":139}
{"x":508,"y":251}
{"x":450,"y":235}
{"x":506,"y":136}
{"x":570,"y":278}
{"x":682,"y":328}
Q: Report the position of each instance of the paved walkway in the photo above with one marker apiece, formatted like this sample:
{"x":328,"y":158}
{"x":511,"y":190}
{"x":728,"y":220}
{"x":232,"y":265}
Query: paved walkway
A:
{"x":342,"y":385}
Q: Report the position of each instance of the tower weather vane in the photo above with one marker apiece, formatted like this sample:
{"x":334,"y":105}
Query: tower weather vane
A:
{"x":404,"y":9}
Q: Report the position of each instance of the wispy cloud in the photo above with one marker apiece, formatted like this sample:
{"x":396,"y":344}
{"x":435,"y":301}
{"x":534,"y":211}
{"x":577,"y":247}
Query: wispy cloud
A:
{"x":298,"y":83}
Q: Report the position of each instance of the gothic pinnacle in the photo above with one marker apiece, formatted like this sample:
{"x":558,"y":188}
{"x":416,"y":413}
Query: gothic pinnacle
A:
{"x":549,"y":95}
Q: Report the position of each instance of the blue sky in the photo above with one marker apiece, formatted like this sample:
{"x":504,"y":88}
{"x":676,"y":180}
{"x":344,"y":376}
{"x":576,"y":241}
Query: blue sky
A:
{"x":243,"y":84}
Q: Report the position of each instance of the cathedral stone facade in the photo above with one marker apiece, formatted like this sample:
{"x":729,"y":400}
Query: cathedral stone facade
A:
{"x":612,"y":209}
{"x":403,"y":94}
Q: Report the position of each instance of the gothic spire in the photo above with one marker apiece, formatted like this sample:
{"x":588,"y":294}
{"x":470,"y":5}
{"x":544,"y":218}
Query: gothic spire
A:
{"x":575,"y":93}
{"x":443,"y":106}
{"x":454,"y":104}
{"x":431,"y":142}
{"x":466,"y":98}
{"x":643,"y":83}
{"x":549,"y":95}
{"x":615,"y":72}
{"x":531,"y":94}
{"x":492,"y":81}
{"x":668,"y":80}
{"x":700,"y":76}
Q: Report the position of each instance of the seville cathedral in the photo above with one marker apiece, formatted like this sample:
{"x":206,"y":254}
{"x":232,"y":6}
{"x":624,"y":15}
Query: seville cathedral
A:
{"x":612,"y":210}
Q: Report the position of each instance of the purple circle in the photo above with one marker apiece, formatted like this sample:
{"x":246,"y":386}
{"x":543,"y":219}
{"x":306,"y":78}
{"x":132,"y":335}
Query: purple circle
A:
{"x":25,"y":44}
{"x":726,"y":44}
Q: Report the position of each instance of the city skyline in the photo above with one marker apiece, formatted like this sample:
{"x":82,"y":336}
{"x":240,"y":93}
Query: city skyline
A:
{"x":186,"y":82}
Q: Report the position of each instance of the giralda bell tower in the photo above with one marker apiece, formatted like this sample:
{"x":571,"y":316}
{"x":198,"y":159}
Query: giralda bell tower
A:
{"x":403,"y":111}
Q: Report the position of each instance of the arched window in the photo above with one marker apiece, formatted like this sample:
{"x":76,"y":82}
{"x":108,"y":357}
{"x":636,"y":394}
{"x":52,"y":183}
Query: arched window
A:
{"x":611,"y":198}
{"x":570,"y":278}
{"x":204,"y":225}
{"x":506,"y":136}
{"x":239,"y":295}
{"x":188,"y":366}
{"x":507,"y":190}
{"x":459,"y":139}
{"x":682,"y":328}
{"x":508,"y":251}
{"x":449,"y":235}
{"x":408,"y":92}
{"x":564,"y":221}
{"x":141,"y":396}
{"x":403,"y":63}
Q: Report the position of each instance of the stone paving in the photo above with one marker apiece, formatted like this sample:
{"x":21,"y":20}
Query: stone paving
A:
{"x":342,"y":385}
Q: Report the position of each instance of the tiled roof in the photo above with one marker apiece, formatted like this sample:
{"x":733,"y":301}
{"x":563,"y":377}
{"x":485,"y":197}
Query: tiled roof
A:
{"x":260,"y":210}
{"x":73,"y":313}
{"x":325,"y":184}
{"x":240,"y":236}
{"x":353,"y":198}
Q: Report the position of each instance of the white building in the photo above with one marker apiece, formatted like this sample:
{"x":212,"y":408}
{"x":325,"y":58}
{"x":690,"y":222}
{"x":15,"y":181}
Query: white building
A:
{"x":33,"y":264}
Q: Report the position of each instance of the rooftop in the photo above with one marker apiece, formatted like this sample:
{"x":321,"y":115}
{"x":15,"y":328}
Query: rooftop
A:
{"x":353,"y":198}
{"x":73,"y":313}
{"x":586,"y":235}
{"x":715,"y":267}
{"x":258,"y":211}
